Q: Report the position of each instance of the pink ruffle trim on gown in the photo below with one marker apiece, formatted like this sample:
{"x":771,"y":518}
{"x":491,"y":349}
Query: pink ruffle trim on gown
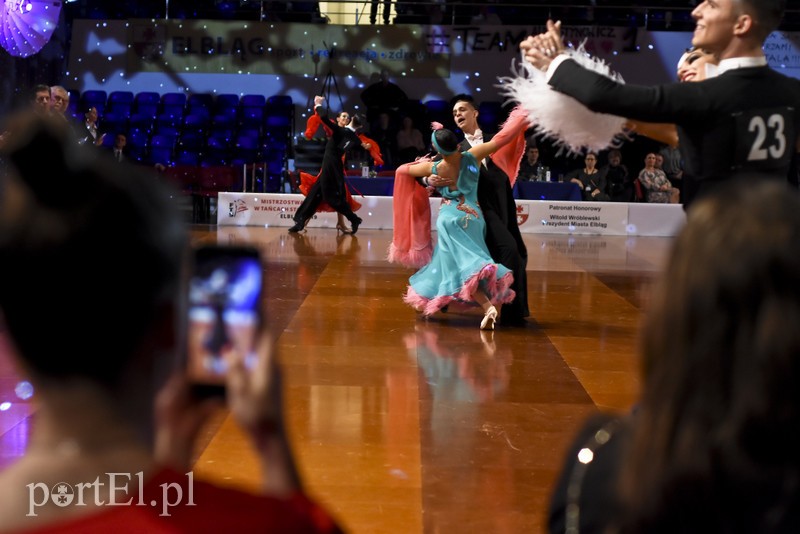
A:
{"x":410,"y":258}
{"x":499,"y":292}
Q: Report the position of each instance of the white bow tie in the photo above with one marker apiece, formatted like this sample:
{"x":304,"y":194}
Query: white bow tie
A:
{"x":474,"y":139}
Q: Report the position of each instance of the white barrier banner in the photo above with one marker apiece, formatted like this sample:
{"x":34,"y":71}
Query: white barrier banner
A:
{"x":597,"y":218}
{"x":533,"y":216}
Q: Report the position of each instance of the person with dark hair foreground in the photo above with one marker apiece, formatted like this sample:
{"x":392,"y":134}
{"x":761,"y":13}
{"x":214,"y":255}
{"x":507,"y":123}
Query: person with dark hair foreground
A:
{"x":330,"y":187}
{"x":93,"y":259}
{"x":712,"y":446}
{"x":461,"y":268}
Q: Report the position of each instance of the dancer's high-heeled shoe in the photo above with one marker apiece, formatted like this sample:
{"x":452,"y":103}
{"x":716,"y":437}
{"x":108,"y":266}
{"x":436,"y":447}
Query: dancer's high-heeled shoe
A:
{"x":489,"y":319}
{"x":341,"y":228}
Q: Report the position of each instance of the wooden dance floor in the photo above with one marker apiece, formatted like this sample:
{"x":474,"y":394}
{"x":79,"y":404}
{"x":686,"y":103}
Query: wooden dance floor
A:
{"x":406,"y":425}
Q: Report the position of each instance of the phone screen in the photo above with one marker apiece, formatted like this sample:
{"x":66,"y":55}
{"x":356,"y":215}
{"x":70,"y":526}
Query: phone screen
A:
{"x":224,"y":311}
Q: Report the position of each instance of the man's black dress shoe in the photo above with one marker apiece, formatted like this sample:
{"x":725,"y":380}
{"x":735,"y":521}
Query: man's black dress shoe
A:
{"x":355,"y":224}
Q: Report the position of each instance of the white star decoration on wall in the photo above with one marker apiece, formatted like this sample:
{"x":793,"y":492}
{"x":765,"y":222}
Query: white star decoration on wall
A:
{"x":27,"y":25}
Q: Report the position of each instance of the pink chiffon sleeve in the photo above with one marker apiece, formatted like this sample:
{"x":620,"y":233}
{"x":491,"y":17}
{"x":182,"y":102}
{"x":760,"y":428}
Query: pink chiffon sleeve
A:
{"x":511,"y":142}
{"x":411,"y":240}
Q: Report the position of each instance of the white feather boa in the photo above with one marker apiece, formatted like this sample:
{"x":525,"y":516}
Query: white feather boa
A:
{"x":558,"y":117}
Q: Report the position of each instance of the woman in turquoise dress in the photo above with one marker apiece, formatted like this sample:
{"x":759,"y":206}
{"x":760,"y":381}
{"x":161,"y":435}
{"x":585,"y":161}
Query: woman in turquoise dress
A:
{"x":461,"y":268}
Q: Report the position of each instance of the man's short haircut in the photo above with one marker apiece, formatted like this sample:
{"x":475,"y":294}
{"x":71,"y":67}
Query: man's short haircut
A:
{"x":767,"y":14}
{"x":40,"y":88}
{"x":463,"y":97}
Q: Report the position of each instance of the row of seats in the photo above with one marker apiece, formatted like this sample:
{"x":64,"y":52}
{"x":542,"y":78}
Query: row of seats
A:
{"x":127,"y":101}
{"x":200,"y":113}
{"x":195,"y":129}
{"x":205,"y":130}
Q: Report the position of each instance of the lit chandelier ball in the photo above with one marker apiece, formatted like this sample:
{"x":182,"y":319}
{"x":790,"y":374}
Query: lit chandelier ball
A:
{"x":27,"y":25}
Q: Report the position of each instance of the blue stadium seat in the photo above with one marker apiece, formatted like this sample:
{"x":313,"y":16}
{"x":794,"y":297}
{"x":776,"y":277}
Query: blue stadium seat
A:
{"x":224,"y":119}
{"x":174,"y":99}
{"x":119,"y":102}
{"x":226,"y":101}
{"x":162,"y":148}
{"x":114,"y":123}
{"x":200,"y":101}
{"x":196,"y":122}
{"x":284,"y":101}
{"x":93,"y":98}
{"x":187,"y":157}
{"x":245,"y":150}
{"x":145,"y":101}
{"x":252,"y":100}
{"x":138,"y":138}
{"x":251,"y":116}
{"x":177,"y":100}
{"x":142,"y":121}
{"x":218,"y":150}
{"x":191,"y":141}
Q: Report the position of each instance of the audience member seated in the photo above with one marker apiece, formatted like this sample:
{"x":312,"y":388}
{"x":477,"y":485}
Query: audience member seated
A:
{"x":618,"y":180}
{"x":92,"y":256}
{"x":712,"y":444}
{"x":39,"y":103}
{"x":410,"y":144}
{"x":656,"y":187}
{"x":91,"y":134}
{"x":530,"y":168}
{"x":591,"y":180}
{"x":41,"y":99}
{"x":118,"y":150}
{"x":59,"y":101}
{"x":385,"y":134}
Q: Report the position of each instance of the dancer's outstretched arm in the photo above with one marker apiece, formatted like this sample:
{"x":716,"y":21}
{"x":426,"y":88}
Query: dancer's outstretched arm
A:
{"x":516,"y":124}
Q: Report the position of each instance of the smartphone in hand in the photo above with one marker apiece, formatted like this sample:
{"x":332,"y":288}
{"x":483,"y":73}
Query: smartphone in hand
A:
{"x":224,"y":313}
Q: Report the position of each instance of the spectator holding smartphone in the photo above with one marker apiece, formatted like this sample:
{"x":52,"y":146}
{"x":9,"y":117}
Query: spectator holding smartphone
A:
{"x":96,"y":337}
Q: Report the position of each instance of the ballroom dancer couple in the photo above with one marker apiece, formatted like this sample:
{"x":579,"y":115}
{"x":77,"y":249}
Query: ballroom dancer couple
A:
{"x":461,"y":268}
{"x":330,"y":187}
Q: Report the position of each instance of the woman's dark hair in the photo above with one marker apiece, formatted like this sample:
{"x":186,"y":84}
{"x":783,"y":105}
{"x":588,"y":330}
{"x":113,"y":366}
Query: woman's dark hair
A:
{"x":446,"y":140}
{"x":358,"y":120}
{"x":717,"y":435}
{"x":91,"y":252}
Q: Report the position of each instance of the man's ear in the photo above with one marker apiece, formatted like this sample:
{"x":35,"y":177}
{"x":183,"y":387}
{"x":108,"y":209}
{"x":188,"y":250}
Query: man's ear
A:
{"x":744,"y":25}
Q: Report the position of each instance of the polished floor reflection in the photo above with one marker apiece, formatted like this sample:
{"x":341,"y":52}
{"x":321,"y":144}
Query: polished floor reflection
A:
{"x":407,"y":425}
